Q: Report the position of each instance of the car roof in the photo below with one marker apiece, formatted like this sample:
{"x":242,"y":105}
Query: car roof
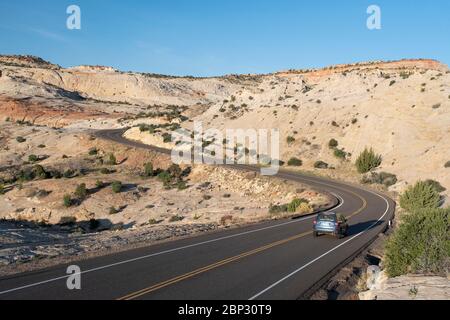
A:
{"x":328,"y":213}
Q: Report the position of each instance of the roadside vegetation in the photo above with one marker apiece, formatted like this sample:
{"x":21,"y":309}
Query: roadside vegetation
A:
{"x":421,"y":243}
{"x":368,"y":160}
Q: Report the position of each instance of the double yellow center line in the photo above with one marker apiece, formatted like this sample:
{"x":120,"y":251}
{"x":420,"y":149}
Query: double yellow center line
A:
{"x":218,"y":264}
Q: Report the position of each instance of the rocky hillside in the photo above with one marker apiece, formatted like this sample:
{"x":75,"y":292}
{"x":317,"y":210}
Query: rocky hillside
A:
{"x":401,"y":108}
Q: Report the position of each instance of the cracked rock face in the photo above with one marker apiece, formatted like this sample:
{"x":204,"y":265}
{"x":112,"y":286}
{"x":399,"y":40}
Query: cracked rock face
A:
{"x":408,"y":287}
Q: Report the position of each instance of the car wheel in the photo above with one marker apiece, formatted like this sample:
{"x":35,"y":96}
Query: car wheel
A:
{"x":315,"y":234}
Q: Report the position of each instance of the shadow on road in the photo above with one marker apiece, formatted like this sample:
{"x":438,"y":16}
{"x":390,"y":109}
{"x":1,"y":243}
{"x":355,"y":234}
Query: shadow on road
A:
{"x":360,"y":227}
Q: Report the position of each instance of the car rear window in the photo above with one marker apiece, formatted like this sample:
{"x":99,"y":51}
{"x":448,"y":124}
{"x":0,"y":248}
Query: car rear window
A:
{"x":327,"y":217}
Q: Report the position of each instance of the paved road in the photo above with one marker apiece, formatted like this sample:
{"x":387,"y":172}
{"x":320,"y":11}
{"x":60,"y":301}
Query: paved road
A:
{"x":271,"y":260}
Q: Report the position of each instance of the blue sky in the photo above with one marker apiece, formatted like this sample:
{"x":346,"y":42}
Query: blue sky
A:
{"x":215,"y":37}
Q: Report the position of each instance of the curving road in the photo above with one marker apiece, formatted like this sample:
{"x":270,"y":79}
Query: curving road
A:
{"x":271,"y":260}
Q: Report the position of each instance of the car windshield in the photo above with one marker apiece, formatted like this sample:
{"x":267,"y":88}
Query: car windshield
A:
{"x":327,"y":217}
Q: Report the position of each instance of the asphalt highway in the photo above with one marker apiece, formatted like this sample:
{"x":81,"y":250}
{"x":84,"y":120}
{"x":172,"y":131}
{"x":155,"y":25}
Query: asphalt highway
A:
{"x":271,"y":260}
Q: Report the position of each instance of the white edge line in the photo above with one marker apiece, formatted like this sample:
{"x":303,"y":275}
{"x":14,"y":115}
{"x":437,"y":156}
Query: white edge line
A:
{"x":325,"y":254}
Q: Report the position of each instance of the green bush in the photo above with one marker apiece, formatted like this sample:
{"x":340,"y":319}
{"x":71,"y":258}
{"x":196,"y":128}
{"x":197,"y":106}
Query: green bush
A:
{"x":148,"y":170}
{"x":99,"y":184}
{"x":275,"y":209}
{"x":2,"y":189}
{"x":290,"y":139}
{"x":167,"y":137}
{"x":116,"y":186}
{"x":81,"y":191}
{"x":105,"y":171}
{"x":113,"y":210}
{"x":292,"y":207}
{"x":112,"y":161}
{"x":93,"y":151}
{"x":33,"y":158}
{"x":182,"y":185}
{"x":387,"y":179}
{"x":341,"y":154}
{"x":320,"y":165}
{"x":67,"y":200}
{"x":20,"y":139}
{"x":436,"y":185}
{"x":69,"y":173}
{"x":176,"y":218}
{"x":447,"y":164}
{"x":295,"y":162}
{"x":165,"y":177}
{"x":421,"y":244}
{"x":367,"y":161}
{"x":333,"y":143}
{"x":420,"y":196}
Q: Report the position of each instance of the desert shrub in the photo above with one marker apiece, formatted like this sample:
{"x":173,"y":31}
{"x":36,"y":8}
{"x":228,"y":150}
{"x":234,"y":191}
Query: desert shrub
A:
{"x":113,"y":210}
{"x":304,"y":208}
{"x":333,"y":143}
{"x":354,"y":121}
{"x":182,"y":185}
{"x":421,"y":244}
{"x":392,"y":83}
{"x":387,"y":179}
{"x":295,"y":204}
{"x":436,"y":185}
{"x":41,"y":146}
{"x":33,"y":158}
{"x":40,"y":173}
{"x":405,"y":75}
{"x":67,"y":200}
{"x":290,"y":139}
{"x":436,"y":106}
{"x":368,"y":161}
{"x":447,"y":164}
{"x":105,"y":171}
{"x":295,"y":162}
{"x":334,"y":124}
{"x":176,"y":218}
{"x":164,"y":177}
{"x":99,"y":184}
{"x":341,"y":154}
{"x":420,"y":196}
{"x":93,"y":151}
{"x":226,"y":219}
{"x":112,"y":161}
{"x":81,"y":191}
{"x":116,"y":186}
{"x":275,"y":209}
{"x":21,"y":139}
{"x":69,"y":173}
{"x":175,"y":171}
{"x":167,"y":137}
{"x":320,"y":165}
{"x":148,"y":169}
{"x":2,"y":188}
{"x":153,"y":221}
{"x":143,"y":127}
